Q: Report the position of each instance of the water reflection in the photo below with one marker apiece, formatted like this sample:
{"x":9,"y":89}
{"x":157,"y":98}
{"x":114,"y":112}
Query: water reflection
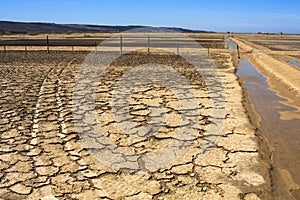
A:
{"x":283,"y":135}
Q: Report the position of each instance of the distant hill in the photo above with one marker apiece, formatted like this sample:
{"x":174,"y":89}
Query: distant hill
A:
{"x":37,"y":27}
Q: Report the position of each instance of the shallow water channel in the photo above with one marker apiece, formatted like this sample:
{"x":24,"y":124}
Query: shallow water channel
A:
{"x":294,"y":62}
{"x":231,"y":45}
{"x":283,"y":135}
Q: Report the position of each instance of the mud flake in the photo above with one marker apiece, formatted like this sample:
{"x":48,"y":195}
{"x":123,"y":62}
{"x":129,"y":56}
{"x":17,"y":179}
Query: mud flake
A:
{"x":20,"y":189}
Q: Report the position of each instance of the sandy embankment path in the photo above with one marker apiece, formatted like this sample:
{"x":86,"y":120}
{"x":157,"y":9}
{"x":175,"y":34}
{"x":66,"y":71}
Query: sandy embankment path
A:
{"x":285,"y":74}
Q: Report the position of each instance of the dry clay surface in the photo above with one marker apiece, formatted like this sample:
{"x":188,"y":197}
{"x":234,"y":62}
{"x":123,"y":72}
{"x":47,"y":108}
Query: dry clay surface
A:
{"x":42,"y":156}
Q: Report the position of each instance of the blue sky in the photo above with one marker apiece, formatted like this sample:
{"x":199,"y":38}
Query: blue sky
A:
{"x":221,"y":15}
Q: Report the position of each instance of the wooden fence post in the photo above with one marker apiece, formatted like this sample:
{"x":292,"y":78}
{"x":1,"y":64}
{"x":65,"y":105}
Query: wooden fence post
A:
{"x":148,"y":44}
{"x":25,"y":49}
{"x":4,"y":49}
{"x":121,"y":44}
{"x":238,"y":51}
{"x":48,"y":44}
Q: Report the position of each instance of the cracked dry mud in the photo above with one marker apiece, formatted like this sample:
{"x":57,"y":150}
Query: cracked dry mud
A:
{"x":42,"y":156}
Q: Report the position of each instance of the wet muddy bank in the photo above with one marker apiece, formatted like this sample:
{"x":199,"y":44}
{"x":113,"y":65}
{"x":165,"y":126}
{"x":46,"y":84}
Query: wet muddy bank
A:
{"x":276,"y":136}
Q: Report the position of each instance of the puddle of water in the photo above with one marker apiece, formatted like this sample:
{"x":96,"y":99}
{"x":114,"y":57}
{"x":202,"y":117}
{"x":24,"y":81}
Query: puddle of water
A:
{"x":294,"y":62}
{"x":283,"y":135}
{"x":231,"y":45}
